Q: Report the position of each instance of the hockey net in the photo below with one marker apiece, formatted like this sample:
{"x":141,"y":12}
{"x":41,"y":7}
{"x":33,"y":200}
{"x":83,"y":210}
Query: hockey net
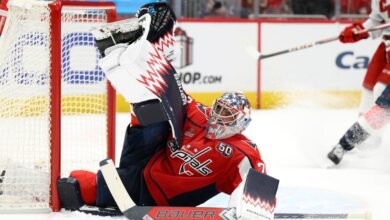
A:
{"x":56,"y":106}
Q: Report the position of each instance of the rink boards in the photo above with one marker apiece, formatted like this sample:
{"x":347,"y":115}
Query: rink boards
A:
{"x":223,"y":58}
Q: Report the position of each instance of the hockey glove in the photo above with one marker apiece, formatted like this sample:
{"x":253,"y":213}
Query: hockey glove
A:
{"x":163,"y":19}
{"x":122,"y":65}
{"x":161,"y":33}
{"x":125,"y":31}
{"x":353,"y":33}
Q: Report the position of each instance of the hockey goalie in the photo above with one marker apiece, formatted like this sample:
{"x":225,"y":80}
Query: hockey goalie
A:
{"x":176,"y":151}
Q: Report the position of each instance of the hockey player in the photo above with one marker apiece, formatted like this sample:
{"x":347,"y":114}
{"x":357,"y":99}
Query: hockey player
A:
{"x":377,"y":75}
{"x":371,"y":122}
{"x":378,"y":71}
{"x":213,"y":156}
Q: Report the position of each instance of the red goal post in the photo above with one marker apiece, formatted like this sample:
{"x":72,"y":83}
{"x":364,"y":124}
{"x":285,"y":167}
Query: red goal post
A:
{"x":57,"y":110}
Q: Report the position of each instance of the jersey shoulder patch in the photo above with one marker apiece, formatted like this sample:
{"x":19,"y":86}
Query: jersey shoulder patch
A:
{"x":224,"y":149}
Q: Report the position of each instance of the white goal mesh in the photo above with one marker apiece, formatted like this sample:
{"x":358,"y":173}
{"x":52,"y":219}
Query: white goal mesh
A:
{"x":27,"y":93}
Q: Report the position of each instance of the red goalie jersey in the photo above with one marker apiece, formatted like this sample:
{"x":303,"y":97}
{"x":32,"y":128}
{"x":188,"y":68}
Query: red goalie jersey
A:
{"x":202,"y":167}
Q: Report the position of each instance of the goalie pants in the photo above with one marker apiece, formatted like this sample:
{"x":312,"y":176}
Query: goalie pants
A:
{"x":139,"y":146}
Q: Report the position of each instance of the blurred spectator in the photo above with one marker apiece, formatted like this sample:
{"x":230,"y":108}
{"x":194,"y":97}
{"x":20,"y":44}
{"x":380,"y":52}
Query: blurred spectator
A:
{"x":267,"y":6}
{"x":307,"y":7}
{"x":276,"y":7}
{"x":362,"y":7}
{"x":215,"y":8}
{"x":248,"y":4}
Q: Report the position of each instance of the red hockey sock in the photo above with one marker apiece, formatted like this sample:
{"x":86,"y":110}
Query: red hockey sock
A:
{"x":87,"y":181}
{"x":377,"y":117}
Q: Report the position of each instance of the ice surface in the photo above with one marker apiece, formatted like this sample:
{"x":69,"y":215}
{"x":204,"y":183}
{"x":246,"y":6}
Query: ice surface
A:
{"x":294,"y":143}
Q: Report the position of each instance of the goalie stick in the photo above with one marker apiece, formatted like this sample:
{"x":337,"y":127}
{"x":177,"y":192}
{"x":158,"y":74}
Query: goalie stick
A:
{"x":210,"y":213}
{"x":128,"y":208}
{"x":116,"y":187}
{"x":323,"y":41}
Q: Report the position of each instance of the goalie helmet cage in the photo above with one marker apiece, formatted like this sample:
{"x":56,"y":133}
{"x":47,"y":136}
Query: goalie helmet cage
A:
{"x":57,"y":110}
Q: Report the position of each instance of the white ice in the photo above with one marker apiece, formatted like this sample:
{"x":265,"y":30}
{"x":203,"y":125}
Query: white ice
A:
{"x":294,"y":143}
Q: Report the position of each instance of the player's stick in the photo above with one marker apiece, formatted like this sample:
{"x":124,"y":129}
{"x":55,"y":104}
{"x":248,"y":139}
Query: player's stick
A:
{"x":323,"y":41}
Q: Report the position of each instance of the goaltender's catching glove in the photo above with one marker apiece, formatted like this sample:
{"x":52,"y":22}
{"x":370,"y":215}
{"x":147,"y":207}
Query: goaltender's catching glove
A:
{"x":120,"y":32}
{"x":163,"y":19}
{"x":127,"y":31}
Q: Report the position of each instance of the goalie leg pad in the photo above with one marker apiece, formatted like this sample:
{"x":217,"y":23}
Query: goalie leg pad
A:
{"x":127,"y":85}
{"x":69,"y":193}
{"x":150,"y":112}
{"x":258,"y":199}
{"x":260,"y":185}
{"x":112,"y":59}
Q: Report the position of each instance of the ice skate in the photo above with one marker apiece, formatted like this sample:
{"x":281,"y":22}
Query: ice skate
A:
{"x":336,"y":154}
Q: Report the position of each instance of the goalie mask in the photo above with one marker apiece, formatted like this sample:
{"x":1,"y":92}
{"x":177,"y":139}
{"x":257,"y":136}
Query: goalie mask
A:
{"x":161,"y":33}
{"x":230,"y":115}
